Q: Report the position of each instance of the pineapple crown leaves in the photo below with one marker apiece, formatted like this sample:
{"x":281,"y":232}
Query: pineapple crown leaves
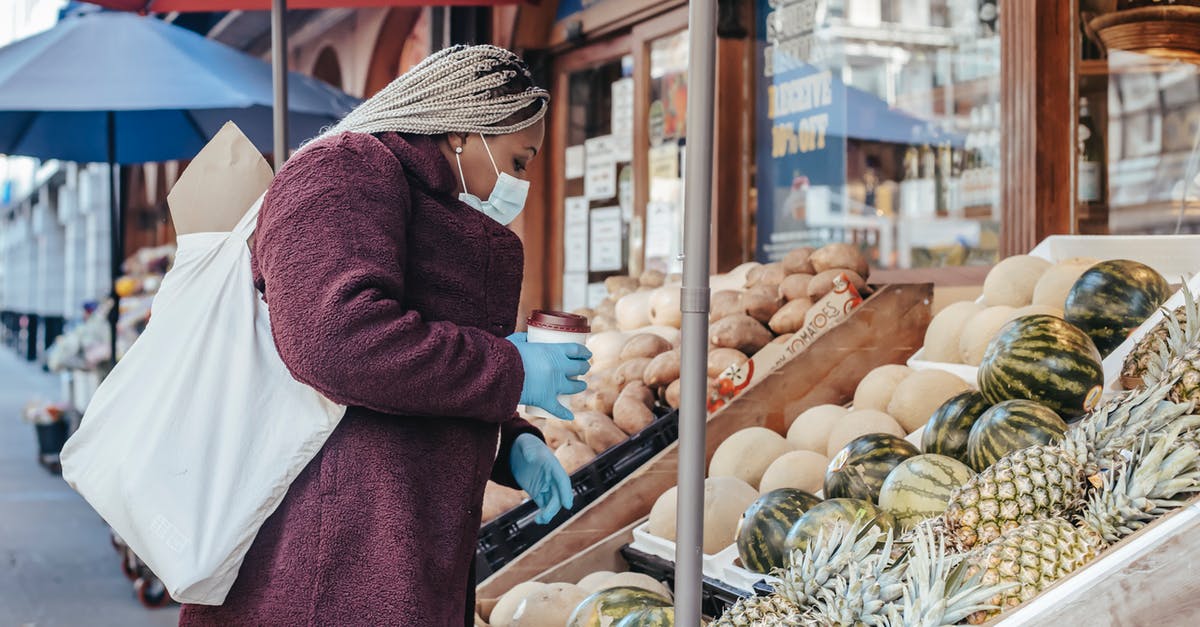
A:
{"x":828,"y":558}
{"x":1095,"y":443}
{"x":931,"y":596}
{"x":1179,"y":337}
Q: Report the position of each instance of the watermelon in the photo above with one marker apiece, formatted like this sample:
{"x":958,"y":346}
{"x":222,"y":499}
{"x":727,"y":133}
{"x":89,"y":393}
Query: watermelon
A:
{"x":835,"y":512}
{"x":859,"y":470}
{"x":1112,"y":298}
{"x":653,"y":617}
{"x":1043,"y":359}
{"x":765,"y":526}
{"x":920,"y":487}
{"x":948,"y":428}
{"x":613,"y":604}
{"x":1011,"y":426}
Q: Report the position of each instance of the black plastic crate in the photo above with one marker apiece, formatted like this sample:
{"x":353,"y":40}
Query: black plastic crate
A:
{"x":510,"y":534}
{"x":716,"y":596}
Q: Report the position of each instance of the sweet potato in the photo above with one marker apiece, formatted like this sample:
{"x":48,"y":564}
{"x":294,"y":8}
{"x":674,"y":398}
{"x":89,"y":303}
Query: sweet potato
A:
{"x":557,"y":433}
{"x":639,"y":391}
{"x":632,"y":411}
{"x":607,"y":308}
{"x":662,"y":370}
{"x":795,"y":286}
{"x":741,"y":332}
{"x":498,"y":499}
{"x":646,"y":345}
{"x":574,"y":455}
{"x":840,"y":257}
{"x":601,"y":324}
{"x":599,"y":431}
{"x":652,"y":278}
{"x":790,"y":317}
{"x":725,"y":303}
{"x":630,"y":371}
{"x":798,"y":262}
{"x":720,"y":359}
{"x":624,"y":284}
{"x":822,"y":284}
{"x":761,"y":302}
{"x":671,"y":396}
{"x":603,"y":398}
{"x":771,"y":275}
{"x":586,"y":312}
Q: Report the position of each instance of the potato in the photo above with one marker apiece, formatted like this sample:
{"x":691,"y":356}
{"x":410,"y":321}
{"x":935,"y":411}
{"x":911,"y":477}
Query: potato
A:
{"x":581,"y":402}
{"x":630,"y":414}
{"x":557,"y":433}
{"x":498,"y":499}
{"x":741,"y":332}
{"x":633,"y":311}
{"x":822,"y":284}
{"x":646,"y":345}
{"x":574,"y":455}
{"x":607,"y":308}
{"x":606,"y":347}
{"x":617,"y":283}
{"x":791,"y":317}
{"x":639,"y":391}
{"x":795,"y":286}
{"x":671,"y":396}
{"x":799,"y":261}
{"x":840,"y":257}
{"x":720,"y":359}
{"x":770,"y":275}
{"x":724,"y":304}
{"x":586,"y":312}
{"x":603,"y":398}
{"x":662,"y":370}
{"x":630,"y":371}
{"x":652,"y":278}
{"x":600,"y":433}
{"x":761,"y":303}
{"x":601,"y":324}
{"x":665,"y":308}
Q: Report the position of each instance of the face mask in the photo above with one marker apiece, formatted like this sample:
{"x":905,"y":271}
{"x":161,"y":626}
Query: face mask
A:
{"x":508,"y":196}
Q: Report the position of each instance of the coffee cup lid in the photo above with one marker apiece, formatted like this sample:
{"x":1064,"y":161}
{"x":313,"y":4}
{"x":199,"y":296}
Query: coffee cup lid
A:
{"x":559,"y":321}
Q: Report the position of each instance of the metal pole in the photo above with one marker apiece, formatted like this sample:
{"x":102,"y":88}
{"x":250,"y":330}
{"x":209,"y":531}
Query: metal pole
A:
{"x":279,"y":68}
{"x":693,"y":415}
{"x":116,"y":230}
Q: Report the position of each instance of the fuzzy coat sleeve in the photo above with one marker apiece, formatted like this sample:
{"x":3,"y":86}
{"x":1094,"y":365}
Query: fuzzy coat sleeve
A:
{"x":330,"y":247}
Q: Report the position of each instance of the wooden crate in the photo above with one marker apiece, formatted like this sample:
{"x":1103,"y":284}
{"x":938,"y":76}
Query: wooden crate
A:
{"x":886,"y":329}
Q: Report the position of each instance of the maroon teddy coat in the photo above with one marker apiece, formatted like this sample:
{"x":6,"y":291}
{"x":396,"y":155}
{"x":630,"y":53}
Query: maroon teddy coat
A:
{"x":390,"y":296}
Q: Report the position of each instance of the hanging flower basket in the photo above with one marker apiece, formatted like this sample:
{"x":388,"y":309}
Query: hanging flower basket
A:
{"x":1158,"y":28}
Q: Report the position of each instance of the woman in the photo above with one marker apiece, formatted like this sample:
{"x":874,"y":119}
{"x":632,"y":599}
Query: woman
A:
{"x":392,"y":285}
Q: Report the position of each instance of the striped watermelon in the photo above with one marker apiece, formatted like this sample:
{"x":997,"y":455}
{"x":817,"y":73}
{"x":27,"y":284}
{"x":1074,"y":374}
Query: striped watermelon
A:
{"x":859,"y":470}
{"x":1044,"y":359}
{"x":1112,"y":298}
{"x":920,"y":487}
{"x":948,"y":428}
{"x":654,"y":617}
{"x":834,"y":512}
{"x":1011,"y":426}
{"x":765,"y":526}
{"x":606,"y":607}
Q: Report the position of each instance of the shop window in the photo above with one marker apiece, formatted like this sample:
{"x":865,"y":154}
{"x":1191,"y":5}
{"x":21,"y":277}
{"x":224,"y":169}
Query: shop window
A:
{"x":878,"y":124}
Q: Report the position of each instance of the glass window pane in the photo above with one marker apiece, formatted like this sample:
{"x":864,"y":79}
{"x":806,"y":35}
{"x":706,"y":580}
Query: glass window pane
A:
{"x":668,"y":133}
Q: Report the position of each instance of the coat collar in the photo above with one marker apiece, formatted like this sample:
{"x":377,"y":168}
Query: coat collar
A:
{"x":422,"y":160}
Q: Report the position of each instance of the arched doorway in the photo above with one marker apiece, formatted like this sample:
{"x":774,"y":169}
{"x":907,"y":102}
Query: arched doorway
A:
{"x":328,"y":68}
{"x":402,"y":42}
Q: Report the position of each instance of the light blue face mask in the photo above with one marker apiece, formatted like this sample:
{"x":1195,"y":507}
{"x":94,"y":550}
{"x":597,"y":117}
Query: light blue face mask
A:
{"x":508,"y":196}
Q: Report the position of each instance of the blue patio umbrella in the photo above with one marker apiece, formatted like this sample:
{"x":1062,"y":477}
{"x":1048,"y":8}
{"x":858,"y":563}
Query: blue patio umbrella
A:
{"x":119,"y":88}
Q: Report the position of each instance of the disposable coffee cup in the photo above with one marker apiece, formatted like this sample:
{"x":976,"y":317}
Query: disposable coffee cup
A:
{"x":555,"y":327}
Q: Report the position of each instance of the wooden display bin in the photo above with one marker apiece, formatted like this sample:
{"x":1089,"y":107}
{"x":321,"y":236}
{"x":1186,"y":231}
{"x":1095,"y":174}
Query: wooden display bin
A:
{"x":886,"y":329}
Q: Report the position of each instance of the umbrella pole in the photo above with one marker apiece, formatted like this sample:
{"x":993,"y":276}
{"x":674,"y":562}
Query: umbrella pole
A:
{"x":116,"y":240}
{"x":279,"y":68}
{"x":693,"y":416}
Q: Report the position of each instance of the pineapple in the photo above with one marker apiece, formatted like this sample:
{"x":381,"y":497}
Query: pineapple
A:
{"x":864,"y":593}
{"x":1178,"y":356}
{"x":1146,"y":351}
{"x":814,"y":570}
{"x":1046,"y":481}
{"x":771,"y":610}
{"x":1038,"y":553}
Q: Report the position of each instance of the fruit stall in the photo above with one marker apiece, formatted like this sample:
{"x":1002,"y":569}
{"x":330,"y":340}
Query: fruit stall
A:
{"x":1033,"y":451}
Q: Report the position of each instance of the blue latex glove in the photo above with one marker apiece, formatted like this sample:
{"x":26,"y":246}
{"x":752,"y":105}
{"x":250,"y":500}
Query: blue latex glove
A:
{"x":540,"y":474}
{"x":549,"y":372}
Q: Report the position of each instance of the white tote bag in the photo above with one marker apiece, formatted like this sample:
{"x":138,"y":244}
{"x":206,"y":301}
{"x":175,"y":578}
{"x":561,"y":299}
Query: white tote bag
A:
{"x":193,"y":439}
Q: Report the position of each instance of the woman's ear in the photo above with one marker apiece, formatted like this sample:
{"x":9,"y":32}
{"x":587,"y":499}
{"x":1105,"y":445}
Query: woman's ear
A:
{"x":456,"y":140}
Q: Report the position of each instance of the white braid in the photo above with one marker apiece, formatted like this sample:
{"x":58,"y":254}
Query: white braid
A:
{"x":449,"y":92}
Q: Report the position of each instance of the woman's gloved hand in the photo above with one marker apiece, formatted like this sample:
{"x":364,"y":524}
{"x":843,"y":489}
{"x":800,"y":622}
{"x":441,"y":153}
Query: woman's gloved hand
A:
{"x":540,"y":474}
{"x":549,"y":372}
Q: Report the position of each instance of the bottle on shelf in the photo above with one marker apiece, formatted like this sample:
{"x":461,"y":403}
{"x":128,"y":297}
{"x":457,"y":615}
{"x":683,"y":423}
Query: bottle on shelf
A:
{"x":1091,"y":168}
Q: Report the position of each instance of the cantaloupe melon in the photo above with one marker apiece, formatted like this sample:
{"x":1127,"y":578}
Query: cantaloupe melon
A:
{"x":725,"y":499}
{"x":1012,"y":281}
{"x":595,"y":581}
{"x":802,"y":470}
{"x":810,"y":430}
{"x":859,"y":423}
{"x":875,"y":390}
{"x":942,"y":335}
{"x":1037,"y":310}
{"x":550,"y":606}
{"x":921,"y":394}
{"x":979,"y":331}
{"x":637,"y":580}
{"x":502,"y":614}
{"x":1053,"y":286}
{"x":747,"y":454}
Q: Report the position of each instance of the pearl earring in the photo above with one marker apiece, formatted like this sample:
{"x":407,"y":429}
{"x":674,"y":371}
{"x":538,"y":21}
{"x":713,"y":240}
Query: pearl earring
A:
{"x":458,"y":150}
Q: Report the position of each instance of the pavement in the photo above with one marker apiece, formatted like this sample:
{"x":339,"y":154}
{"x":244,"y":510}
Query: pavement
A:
{"x":57,"y":566}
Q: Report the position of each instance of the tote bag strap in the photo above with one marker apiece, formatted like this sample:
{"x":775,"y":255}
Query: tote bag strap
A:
{"x":245,"y":227}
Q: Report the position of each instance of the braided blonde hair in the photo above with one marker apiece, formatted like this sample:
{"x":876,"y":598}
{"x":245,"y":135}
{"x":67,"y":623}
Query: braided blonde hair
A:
{"x":461,"y":89}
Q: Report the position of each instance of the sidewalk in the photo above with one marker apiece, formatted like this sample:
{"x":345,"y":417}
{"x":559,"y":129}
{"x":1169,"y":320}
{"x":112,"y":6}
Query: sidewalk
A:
{"x":57,"y":568}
